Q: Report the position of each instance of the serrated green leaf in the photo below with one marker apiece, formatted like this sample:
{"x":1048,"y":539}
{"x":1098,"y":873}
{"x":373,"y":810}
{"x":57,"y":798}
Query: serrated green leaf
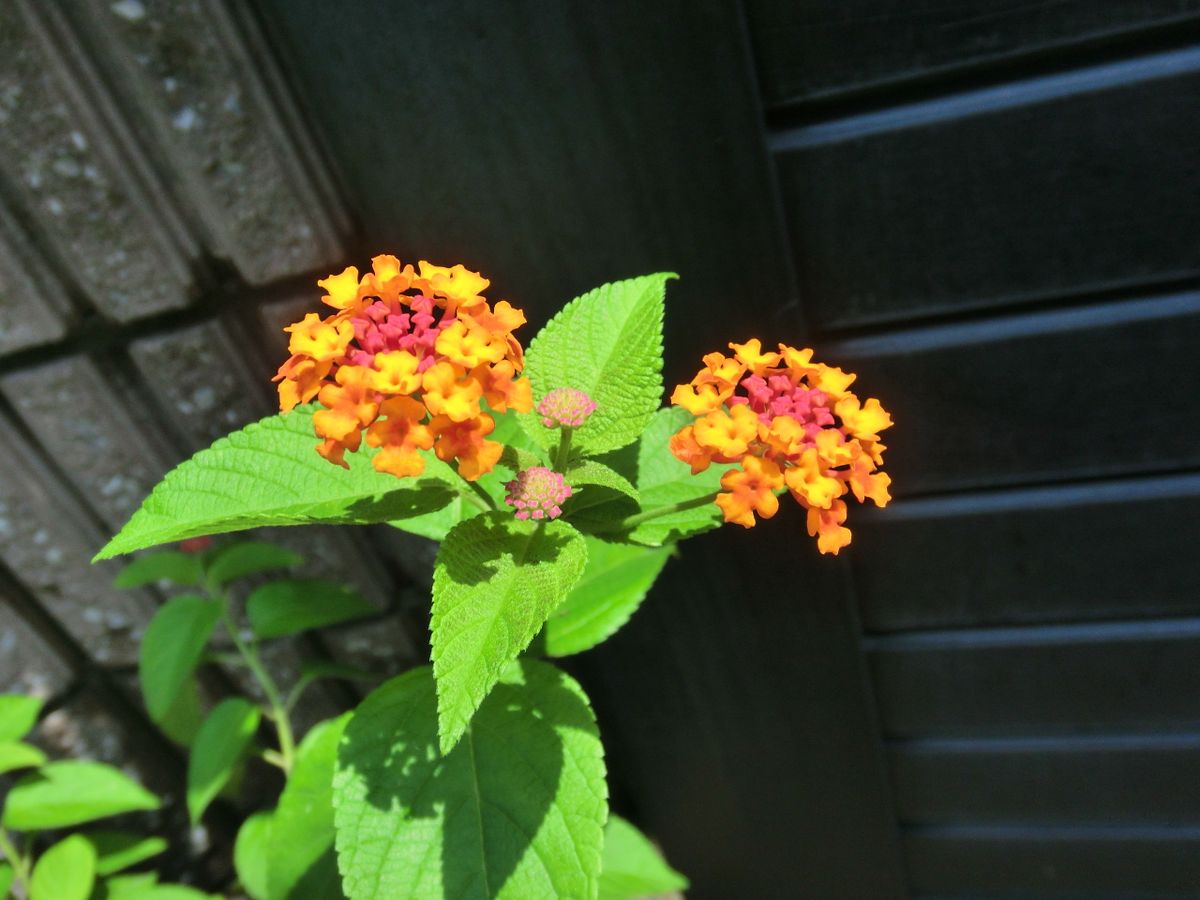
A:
{"x":174,"y":566}
{"x":269,"y":474}
{"x":514,"y":811}
{"x":607,"y":343}
{"x":614,"y":583}
{"x":249,"y":558}
{"x":117,"y":850}
{"x":292,"y":605}
{"x":66,"y":871}
{"x":70,"y":792}
{"x":218,"y":748}
{"x":495,"y":581}
{"x":16,"y":755}
{"x":300,"y":860}
{"x":632,"y":867}
{"x":18,"y":715}
{"x":250,"y":854}
{"x":593,"y":472}
{"x":171,"y":649}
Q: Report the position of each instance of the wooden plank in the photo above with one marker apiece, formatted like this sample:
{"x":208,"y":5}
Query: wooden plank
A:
{"x":1050,"y":679}
{"x":731,"y":712}
{"x":1004,"y":196}
{"x":1096,"y":863}
{"x":813,"y":48}
{"x":1095,"y":550}
{"x":1096,"y":779}
{"x":1092,"y":391}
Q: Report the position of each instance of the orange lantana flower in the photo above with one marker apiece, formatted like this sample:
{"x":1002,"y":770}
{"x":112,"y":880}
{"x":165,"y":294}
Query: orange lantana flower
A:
{"x":788,"y":423}
{"x":406,"y":359}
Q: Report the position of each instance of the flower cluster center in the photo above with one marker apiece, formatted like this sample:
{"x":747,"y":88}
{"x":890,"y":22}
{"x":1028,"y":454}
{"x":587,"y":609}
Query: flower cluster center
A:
{"x":778,"y":395}
{"x":383,"y":326}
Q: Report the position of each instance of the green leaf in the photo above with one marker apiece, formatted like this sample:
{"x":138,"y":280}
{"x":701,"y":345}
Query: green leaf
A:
{"x":436,"y":525}
{"x":171,"y":649}
{"x":16,"y":755}
{"x":160,"y":892}
{"x":291,"y":605}
{"x":184,"y":716}
{"x":663,"y":481}
{"x":70,"y":792}
{"x":66,"y":871}
{"x":269,"y":474}
{"x":632,"y":867}
{"x":117,"y":850}
{"x":514,"y":811}
{"x":608,"y":343}
{"x":593,"y":472}
{"x":249,"y":558}
{"x":495,"y":581}
{"x":7,"y":876}
{"x":250,"y":854}
{"x":162,"y":565}
{"x":219,"y":747}
{"x":18,"y":715}
{"x":300,"y":860}
{"x":614,"y":583}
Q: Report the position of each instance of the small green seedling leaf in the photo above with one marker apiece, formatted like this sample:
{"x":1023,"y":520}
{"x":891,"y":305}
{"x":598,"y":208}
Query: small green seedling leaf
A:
{"x":496,"y":580}
{"x":185,"y":715}
{"x":18,"y":715}
{"x":614,"y":583}
{"x":71,"y":792}
{"x":632,"y":867}
{"x":292,"y":605}
{"x":220,"y":745}
{"x":249,"y":558}
{"x":16,"y":755}
{"x":300,"y":859}
{"x":269,"y":474}
{"x":174,"y":566}
{"x":607,"y":343}
{"x":118,"y":850}
{"x":516,"y":810}
{"x":172,"y":647}
{"x":66,"y":871}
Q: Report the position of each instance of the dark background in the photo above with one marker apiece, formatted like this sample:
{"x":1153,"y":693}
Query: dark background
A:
{"x":987,"y":209}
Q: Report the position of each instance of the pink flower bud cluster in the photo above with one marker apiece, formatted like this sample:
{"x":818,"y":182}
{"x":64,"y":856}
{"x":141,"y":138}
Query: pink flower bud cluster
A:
{"x":565,"y":407}
{"x":537,"y":493}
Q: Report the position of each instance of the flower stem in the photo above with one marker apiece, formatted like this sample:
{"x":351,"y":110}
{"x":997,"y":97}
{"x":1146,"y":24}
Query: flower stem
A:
{"x":657,"y":513}
{"x":480,"y":497}
{"x":278,"y":713}
{"x":563,"y":453}
{"x":20,"y":865}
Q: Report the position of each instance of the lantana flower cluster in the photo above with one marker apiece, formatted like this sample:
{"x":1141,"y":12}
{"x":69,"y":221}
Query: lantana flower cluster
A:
{"x":787,"y":422}
{"x":405,"y":362}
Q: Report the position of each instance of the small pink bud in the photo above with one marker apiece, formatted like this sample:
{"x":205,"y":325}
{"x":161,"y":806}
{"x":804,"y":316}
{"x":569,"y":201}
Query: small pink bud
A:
{"x":565,"y":406}
{"x":537,"y":493}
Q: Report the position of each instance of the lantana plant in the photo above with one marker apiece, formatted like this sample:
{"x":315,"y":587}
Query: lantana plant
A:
{"x":557,"y":486}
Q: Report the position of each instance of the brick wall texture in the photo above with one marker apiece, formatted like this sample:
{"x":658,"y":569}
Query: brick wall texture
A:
{"x":163,"y":212}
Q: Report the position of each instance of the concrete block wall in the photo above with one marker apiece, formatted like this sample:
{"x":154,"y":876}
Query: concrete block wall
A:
{"x":163,"y":211}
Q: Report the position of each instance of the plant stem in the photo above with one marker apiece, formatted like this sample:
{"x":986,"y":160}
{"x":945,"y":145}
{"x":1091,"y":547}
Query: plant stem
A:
{"x":480,"y":497}
{"x":632,"y":521}
{"x":563,"y":453}
{"x":278,"y":713}
{"x":19,"y":864}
